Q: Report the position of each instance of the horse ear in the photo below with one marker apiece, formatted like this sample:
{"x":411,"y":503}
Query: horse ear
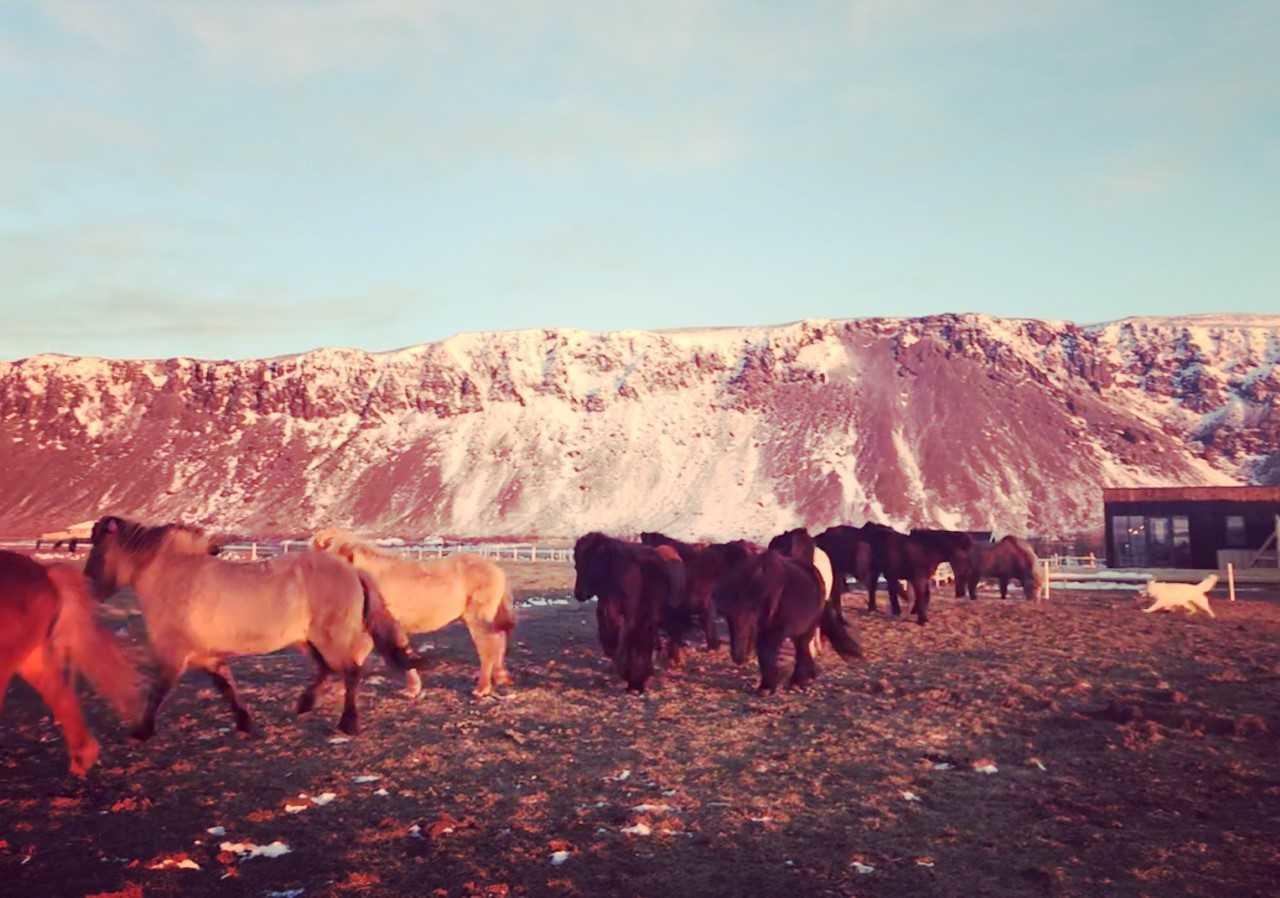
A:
{"x":347,"y":553}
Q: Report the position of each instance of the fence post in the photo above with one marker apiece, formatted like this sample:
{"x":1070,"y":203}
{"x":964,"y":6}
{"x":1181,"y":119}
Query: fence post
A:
{"x":253,"y":551}
{"x":1046,"y":581}
{"x":1231,"y":581}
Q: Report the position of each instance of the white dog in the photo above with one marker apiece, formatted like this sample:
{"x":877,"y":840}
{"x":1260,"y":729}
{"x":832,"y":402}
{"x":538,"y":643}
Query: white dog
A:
{"x":1187,"y":595}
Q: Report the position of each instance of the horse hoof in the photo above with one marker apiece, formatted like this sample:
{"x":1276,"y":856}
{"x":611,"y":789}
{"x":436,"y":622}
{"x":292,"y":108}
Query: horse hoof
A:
{"x":142,"y":734}
{"x":349,"y":725}
{"x":84,"y":758}
{"x":306,"y":703}
{"x":482,"y":693}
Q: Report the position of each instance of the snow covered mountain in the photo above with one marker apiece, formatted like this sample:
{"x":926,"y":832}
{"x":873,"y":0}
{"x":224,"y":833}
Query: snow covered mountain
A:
{"x":953,"y":420}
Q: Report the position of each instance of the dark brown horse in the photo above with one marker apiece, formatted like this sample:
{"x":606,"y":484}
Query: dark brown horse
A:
{"x":850,"y":554}
{"x":1008,"y":559}
{"x":704,"y":564}
{"x":637,"y":589}
{"x":912,"y":557}
{"x":960,"y":547}
{"x":771,"y":598}
{"x":47,"y":632}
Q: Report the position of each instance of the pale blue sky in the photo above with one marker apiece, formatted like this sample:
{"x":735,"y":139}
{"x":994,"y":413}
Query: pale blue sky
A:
{"x":243,"y":177}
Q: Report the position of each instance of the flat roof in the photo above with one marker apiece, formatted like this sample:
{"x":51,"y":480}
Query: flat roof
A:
{"x":1192,"y":494}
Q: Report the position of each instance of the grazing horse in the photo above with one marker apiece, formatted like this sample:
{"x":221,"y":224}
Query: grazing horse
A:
{"x":772,"y":598}
{"x":637,"y":588}
{"x":47,"y":633}
{"x":798,"y":544}
{"x":1008,"y":559}
{"x":696,"y":594}
{"x":427,"y":595}
{"x":200,"y":611}
{"x":959,"y":547}
{"x":705,"y":565}
{"x":914,"y":558}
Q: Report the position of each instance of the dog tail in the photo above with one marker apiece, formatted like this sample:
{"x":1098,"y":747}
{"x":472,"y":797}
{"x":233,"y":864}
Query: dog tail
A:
{"x":1207,"y":583}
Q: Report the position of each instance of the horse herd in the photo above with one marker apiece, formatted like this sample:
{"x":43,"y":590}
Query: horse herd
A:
{"x":344,"y":599}
{"x":791,"y":589}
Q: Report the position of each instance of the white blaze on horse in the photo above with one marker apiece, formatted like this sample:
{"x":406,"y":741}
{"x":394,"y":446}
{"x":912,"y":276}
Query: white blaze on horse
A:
{"x":425,"y":596}
{"x":201,"y":610}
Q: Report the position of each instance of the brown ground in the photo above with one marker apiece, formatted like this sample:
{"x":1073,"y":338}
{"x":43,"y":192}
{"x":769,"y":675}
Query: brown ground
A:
{"x":1135,"y":755}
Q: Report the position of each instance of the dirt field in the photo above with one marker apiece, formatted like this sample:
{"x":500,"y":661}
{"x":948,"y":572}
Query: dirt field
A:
{"x":1073,"y":748}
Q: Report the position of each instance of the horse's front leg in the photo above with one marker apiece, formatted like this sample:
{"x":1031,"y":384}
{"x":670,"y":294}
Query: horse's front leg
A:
{"x":350,"y":722}
{"x":709,"y":628}
{"x":1004,"y":587}
{"x":42,"y":671}
{"x":220,"y":672}
{"x":873,"y":580}
{"x":894,"y":605}
{"x":166,"y":678}
{"x":920,"y":591}
{"x":307,"y":700}
{"x":767,"y":651}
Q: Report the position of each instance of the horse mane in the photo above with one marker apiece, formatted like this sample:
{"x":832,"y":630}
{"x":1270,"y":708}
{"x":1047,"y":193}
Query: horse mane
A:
{"x":341,"y":542}
{"x":145,"y":539}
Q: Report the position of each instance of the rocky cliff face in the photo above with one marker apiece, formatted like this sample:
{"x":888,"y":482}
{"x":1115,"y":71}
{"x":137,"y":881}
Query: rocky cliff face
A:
{"x":956,"y":420}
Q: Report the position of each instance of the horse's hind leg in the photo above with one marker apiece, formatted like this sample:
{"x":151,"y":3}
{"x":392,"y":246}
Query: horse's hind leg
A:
{"x":307,"y":700}
{"x":490,"y":646}
{"x":220,"y":673}
{"x":1004,"y":587}
{"x":41,"y":671}
{"x":805,"y":670}
{"x":709,"y":628}
{"x":350,"y":722}
{"x":920,"y":592}
{"x":894,"y":604}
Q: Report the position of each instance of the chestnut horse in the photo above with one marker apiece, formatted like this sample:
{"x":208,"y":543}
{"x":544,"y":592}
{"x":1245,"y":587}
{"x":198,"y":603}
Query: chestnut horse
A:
{"x":914,"y":558}
{"x":427,"y":595}
{"x":201,"y":611}
{"x":47,"y":633}
{"x":638,"y":588}
{"x":771,"y":598}
{"x":1008,"y":559}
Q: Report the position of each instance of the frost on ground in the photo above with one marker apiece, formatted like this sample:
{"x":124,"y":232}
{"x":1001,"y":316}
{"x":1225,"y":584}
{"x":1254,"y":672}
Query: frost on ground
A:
{"x":1135,"y":756}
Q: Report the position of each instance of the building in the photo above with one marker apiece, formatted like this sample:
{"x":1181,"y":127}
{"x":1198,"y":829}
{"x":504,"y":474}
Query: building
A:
{"x":1189,"y":526}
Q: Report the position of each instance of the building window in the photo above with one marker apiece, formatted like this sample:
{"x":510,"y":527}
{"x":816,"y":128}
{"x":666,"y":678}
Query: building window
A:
{"x":1181,"y":541}
{"x":1237,"y":537}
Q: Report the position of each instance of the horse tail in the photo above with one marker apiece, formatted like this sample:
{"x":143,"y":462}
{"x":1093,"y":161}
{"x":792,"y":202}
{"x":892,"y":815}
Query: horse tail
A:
{"x":80,"y":643}
{"x":388,"y":636}
{"x":504,"y":620}
{"x":837,"y":633}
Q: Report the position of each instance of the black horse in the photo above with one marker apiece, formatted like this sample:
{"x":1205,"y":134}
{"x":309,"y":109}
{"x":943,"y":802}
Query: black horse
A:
{"x":704,"y":564}
{"x":912,"y":557}
{"x":638,"y":589}
{"x":771,"y":598}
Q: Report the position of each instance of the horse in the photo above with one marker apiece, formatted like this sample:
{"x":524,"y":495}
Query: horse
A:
{"x":1008,"y":559}
{"x":47,"y":632}
{"x":697,"y":595}
{"x":912,"y":557}
{"x":800,"y":545}
{"x":637,"y":588}
{"x":201,"y":610}
{"x":850,"y":554}
{"x":427,"y":595}
{"x":959,"y":550}
{"x":771,"y":598}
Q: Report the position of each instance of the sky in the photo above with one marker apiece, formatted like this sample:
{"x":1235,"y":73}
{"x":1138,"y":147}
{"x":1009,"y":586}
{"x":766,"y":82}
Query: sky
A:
{"x":260,"y":177}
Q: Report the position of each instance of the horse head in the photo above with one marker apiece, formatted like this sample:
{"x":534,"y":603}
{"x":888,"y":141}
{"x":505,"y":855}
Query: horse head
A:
{"x":591,"y":562}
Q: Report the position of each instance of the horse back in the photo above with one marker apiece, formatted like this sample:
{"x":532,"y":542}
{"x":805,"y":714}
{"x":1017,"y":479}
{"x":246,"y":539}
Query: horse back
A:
{"x":28,"y":606}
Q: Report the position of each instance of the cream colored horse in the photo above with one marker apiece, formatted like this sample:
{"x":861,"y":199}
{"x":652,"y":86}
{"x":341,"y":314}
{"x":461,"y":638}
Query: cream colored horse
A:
{"x":202,"y":610}
{"x":427,"y":595}
{"x":821,"y":563}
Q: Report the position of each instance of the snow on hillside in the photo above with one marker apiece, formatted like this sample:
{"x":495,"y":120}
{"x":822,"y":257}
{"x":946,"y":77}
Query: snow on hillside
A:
{"x":954,"y":420}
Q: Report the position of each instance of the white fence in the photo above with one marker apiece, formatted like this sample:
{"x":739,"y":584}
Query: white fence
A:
{"x":256,"y":550}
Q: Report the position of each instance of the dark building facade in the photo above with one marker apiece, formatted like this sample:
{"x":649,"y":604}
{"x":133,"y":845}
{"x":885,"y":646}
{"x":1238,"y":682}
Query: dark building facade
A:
{"x":1186,"y":526}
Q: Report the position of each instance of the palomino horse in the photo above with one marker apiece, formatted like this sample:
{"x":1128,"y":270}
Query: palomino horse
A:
{"x":772,"y":598}
{"x":427,"y":595}
{"x":201,"y":611}
{"x":47,"y":632}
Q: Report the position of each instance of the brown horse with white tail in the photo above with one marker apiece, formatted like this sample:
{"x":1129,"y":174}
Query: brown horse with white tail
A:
{"x":201,"y":611}
{"x":47,"y":633}
{"x":427,"y":595}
